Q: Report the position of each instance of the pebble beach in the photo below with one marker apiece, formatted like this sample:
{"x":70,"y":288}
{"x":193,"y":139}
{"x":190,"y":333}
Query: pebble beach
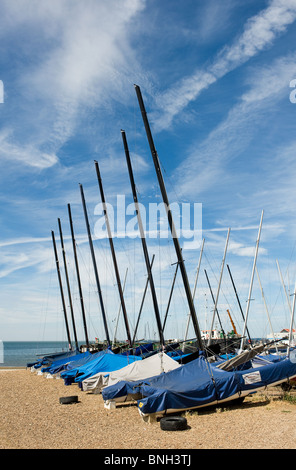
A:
{"x":33,"y":418}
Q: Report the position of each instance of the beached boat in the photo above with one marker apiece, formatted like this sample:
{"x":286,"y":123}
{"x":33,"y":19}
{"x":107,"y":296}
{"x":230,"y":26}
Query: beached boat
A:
{"x":199,"y":384}
{"x":139,"y":370}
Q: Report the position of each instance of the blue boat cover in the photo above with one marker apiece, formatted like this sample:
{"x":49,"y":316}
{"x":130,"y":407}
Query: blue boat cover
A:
{"x":62,"y":364}
{"x":199,"y":383}
{"x":48,"y":359}
{"x":140,"y":350}
{"x":105,"y":361}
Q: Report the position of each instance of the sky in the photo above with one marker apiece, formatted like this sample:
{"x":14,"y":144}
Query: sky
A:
{"x":218,"y":82}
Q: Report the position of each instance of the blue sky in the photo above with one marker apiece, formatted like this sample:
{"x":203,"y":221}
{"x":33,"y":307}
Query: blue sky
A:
{"x":215,"y":77}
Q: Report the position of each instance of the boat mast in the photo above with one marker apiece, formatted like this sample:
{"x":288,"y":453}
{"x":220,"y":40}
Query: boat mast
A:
{"x":288,"y":300}
{"x":252,"y":279}
{"x":113,"y":256}
{"x":213,"y":298}
{"x":61,"y":289}
{"x":280,"y":273}
{"x":142,"y":303}
{"x":119,"y":310}
{"x":170,"y":219}
{"x":95,"y":266}
{"x":291,"y":324}
{"x":68,"y":284}
{"x":170,"y":296}
{"x":219,"y":285}
{"x":194,"y":288}
{"x":238,"y":301}
{"x":263,"y":296}
{"x":142,"y":235}
{"x":78,"y":277}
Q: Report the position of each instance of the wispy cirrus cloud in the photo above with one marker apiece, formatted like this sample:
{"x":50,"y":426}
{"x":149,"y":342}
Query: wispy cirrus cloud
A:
{"x":259,"y":32}
{"x":87,"y":51}
{"x":206,"y":163}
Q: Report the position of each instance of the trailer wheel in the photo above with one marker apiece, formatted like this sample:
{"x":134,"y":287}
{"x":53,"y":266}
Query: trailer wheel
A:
{"x":173,"y":423}
{"x":68,"y":400}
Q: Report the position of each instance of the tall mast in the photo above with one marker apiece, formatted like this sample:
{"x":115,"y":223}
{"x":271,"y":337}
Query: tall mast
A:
{"x":119,"y":310}
{"x":219,"y":285}
{"x":291,"y":324}
{"x":195,"y":284}
{"x":142,"y":303}
{"x":61,"y":289}
{"x":68,"y":284}
{"x":142,"y":235}
{"x":170,"y":219}
{"x":265,"y":304}
{"x":170,"y":297}
{"x":284,"y":287}
{"x":213,"y":298}
{"x":238,"y":301}
{"x":113,"y":256}
{"x":95,"y":266}
{"x":78,"y":277}
{"x":285,"y":290}
{"x":252,"y":279}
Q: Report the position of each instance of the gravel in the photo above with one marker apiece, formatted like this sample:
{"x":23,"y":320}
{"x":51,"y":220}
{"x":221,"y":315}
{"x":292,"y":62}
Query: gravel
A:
{"x":33,"y":418}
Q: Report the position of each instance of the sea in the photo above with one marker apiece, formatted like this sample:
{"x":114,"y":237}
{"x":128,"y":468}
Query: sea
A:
{"x":21,"y":353}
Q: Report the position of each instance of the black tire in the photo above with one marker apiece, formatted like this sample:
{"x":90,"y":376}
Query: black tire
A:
{"x":286,"y":386}
{"x":68,"y":400}
{"x":173,"y":423}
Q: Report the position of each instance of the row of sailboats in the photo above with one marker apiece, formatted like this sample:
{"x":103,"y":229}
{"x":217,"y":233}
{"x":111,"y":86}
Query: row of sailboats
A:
{"x":161,"y":383}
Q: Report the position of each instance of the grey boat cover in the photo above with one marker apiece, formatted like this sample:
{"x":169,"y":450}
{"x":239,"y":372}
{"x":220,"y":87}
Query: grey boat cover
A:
{"x":241,"y":358}
{"x":139,"y":370}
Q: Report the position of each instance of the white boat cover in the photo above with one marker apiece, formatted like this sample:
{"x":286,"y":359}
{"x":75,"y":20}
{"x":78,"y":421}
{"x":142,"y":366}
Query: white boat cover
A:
{"x":138,"y":370}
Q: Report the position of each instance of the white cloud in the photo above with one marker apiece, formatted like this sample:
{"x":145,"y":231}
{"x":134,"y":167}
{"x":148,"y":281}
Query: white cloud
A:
{"x":206,"y":162}
{"x":87,"y":52}
{"x":259,"y":32}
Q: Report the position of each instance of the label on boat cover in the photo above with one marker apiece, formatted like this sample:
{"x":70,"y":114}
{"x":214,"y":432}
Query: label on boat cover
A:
{"x":252,"y":377}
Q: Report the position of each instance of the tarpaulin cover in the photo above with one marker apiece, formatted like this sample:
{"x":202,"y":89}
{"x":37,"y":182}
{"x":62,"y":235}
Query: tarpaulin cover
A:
{"x":139,"y":350}
{"x":138,"y":370}
{"x":106,"y":362}
{"x":198,"y":383}
{"x":48,"y":359}
{"x":62,"y":364}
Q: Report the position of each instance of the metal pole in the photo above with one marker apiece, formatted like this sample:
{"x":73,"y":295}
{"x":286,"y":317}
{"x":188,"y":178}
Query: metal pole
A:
{"x":113,"y":256}
{"x":120,"y":306}
{"x":194,"y":288}
{"x":213,"y":298}
{"x":263,"y":296}
{"x":61,"y":289}
{"x":285,"y":290}
{"x":142,"y":303}
{"x":291,"y":325}
{"x":68,"y":284}
{"x":170,"y":218}
{"x":142,"y":235}
{"x":78,"y":277}
{"x":95,"y":266}
{"x":218,"y":291}
{"x":252,"y":279}
{"x":170,"y":296}
{"x":239,"y":304}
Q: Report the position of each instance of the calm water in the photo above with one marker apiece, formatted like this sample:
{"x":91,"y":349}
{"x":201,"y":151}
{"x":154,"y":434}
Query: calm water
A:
{"x":19,"y":353}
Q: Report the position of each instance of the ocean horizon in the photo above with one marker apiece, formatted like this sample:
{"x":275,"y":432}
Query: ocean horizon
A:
{"x":20,"y":353}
